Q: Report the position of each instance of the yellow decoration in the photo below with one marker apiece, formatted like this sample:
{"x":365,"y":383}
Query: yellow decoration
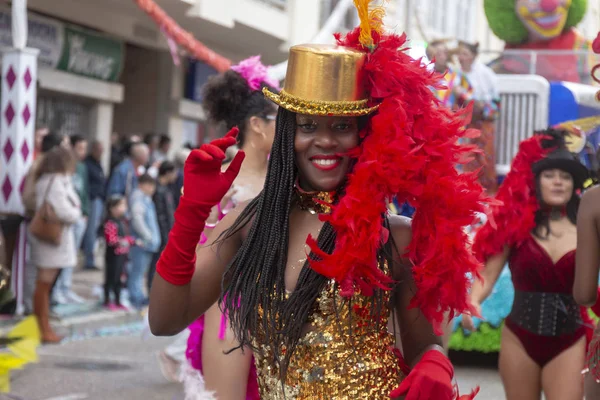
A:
{"x":324,"y":80}
{"x":4,"y":382}
{"x":29,"y":335}
{"x":370,"y":20}
{"x":585,"y":124}
{"x":576,"y":138}
{"x":21,"y":352}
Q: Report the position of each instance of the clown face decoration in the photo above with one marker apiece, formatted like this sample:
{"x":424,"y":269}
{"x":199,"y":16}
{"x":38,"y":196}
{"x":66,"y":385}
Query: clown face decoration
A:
{"x":544,"y":19}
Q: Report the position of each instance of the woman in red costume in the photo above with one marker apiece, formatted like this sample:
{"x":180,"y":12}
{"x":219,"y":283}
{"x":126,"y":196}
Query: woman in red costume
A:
{"x":585,"y":289}
{"x":310,"y":271}
{"x":234,"y":98}
{"x":544,"y":337}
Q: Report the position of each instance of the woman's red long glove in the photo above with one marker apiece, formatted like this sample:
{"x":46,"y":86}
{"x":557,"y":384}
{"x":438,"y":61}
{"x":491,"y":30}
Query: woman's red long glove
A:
{"x":204,"y":187}
{"x":430,"y":379}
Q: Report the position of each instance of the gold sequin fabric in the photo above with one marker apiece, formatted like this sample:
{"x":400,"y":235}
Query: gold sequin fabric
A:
{"x":346,"y":354}
{"x":323,"y":108}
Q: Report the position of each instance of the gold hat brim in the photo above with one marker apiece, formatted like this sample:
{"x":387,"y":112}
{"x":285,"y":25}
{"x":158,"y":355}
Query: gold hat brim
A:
{"x":319,"y":107}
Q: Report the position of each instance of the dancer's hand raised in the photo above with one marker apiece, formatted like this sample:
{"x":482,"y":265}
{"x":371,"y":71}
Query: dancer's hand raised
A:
{"x":203,"y":180}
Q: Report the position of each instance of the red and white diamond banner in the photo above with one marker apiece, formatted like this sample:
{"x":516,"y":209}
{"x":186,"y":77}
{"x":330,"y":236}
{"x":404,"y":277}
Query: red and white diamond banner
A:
{"x":17,"y":125}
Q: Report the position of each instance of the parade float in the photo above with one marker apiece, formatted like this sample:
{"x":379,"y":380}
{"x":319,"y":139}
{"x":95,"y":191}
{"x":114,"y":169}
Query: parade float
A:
{"x":541,"y":38}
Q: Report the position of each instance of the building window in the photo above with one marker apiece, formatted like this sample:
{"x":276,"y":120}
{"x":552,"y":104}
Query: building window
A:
{"x":63,"y":115}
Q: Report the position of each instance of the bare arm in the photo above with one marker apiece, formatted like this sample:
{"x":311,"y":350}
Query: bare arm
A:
{"x":481,"y":289}
{"x":415,"y":330}
{"x":172,"y":307}
{"x":588,"y":249}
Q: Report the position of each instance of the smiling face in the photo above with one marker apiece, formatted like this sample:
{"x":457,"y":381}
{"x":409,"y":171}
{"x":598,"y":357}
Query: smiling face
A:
{"x":556,"y":187}
{"x":544,"y":19}
{"x":321,"y":145}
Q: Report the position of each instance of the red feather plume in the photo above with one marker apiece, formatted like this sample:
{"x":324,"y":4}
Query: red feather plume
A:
{"x":410,"y":151}
{"x":511,"y":218}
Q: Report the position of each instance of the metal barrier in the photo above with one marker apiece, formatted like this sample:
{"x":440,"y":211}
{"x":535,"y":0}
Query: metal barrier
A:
{"x":554,"y":65}
{"x":523,"y":109}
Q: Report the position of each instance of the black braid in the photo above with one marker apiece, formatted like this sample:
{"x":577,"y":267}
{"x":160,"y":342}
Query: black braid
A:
{"x":255,"y":279}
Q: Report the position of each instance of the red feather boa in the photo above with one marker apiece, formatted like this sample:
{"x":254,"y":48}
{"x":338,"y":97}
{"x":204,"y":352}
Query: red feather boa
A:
{"x":410,"y":151}
{"x":511,"y":218}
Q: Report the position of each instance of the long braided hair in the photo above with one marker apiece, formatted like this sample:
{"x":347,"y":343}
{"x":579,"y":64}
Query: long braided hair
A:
{"x":253,"y":293}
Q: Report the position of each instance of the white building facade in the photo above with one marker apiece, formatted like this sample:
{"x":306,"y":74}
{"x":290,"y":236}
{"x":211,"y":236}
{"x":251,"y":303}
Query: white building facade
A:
{"x":105,"y":66}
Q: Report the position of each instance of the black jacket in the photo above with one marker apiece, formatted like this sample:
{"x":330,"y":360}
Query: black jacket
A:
{"x":97,"y":179}
{"x":165,"y":210}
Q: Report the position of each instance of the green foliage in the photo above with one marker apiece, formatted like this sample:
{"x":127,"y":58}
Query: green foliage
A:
{"x":576,"y":13}
{"x":505,"y":23}
{"x":485,"y":340}
{"x":593,"y":316}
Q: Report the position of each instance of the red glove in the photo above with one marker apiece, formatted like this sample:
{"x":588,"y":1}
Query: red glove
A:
{"x":430,"y":379}
{"x":204,"y":186}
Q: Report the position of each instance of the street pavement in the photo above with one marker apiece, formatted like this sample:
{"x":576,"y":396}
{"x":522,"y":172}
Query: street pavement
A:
{"x":110,"y":356}
{"x":119,"y":363}
{"x":102,"y":368}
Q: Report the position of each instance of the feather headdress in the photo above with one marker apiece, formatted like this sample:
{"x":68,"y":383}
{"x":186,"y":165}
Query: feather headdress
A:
{"x":410,"y":150}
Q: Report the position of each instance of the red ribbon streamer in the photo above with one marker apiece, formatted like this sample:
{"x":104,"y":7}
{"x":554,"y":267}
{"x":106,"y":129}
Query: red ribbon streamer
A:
{"x":184,"y":38}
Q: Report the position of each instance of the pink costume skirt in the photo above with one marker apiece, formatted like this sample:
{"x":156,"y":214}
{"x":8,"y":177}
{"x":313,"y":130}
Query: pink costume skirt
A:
{"x":193,"y":352}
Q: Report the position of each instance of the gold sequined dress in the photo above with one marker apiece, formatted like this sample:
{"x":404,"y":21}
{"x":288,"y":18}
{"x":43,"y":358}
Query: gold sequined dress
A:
{"x":329,"y":362}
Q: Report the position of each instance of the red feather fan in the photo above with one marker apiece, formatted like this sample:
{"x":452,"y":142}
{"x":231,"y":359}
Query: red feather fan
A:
{"x":410,"y":151}
{"x":511,"y":218}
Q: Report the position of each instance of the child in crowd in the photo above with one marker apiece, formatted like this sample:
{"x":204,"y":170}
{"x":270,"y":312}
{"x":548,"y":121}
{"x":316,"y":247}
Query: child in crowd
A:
{"x":118,"y":244}
{"x":145,"y":228}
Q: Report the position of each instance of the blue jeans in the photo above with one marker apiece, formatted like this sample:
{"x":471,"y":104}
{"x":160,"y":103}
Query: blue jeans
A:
{"x":91,"y":234}
{"x":65,"y":279}
{"x":140,"y":261}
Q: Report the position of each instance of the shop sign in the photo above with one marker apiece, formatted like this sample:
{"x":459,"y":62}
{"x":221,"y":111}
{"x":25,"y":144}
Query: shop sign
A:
{"x":44,"y":34}
{"x":67,"y":47}
{"x":91,"y":54}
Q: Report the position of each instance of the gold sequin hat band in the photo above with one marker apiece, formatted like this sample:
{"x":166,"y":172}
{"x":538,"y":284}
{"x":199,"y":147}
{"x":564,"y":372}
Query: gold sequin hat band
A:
{"x":324,"y":80}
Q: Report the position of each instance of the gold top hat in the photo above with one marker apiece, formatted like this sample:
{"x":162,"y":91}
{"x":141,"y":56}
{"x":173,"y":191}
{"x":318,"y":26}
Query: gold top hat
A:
{"x":324,"y":80}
